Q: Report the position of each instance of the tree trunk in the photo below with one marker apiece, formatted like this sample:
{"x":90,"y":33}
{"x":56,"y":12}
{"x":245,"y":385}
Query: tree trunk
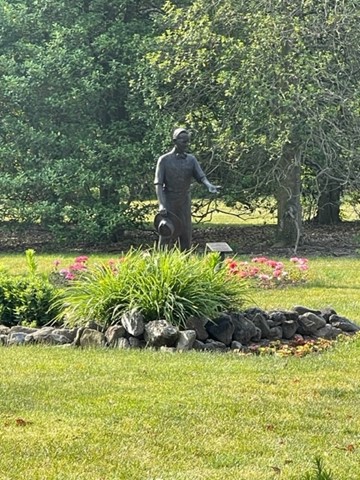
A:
{"x":328,"y":207}
{"x":289,"y":227}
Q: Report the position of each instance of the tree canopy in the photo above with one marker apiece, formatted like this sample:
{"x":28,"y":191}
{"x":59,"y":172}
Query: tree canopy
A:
{"x":89,"y":92}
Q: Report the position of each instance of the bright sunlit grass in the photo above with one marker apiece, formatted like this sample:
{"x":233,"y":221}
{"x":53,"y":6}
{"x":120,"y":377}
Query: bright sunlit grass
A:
{"x":97,"y":414}
{"x":70,"y":414}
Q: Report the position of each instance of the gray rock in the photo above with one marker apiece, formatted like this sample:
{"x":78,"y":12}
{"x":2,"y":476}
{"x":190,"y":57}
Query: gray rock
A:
{"x":257,"y":336}
{"x":133,"y":322}
{"x":122,"y":343}
{"x":328,"y":332}
{"x":4,"y":330}
{"x":77,"y":338}
{"x":214,"y":345}
{"x":69,"y":333}
{"x":221,"y":329}
{"x":260,"y":322}
{"x":327,"y":312}
{"x":343,"y":324}
{"x":244,"y":329}
{"x":3,"y":339}
{"x":159,"y":333}
{"x":135,"y":342}
{"x":198,"y":324}
{"x":46,"y":336}
{"x":290,"y":315}
{"x":236,"y":345}
{"x":92,"y":338}
{"x":309,"y":323}
{"x":198,"y":345}
{"x":276,"y":333}
{"x":301,"y":310}
{"x":251,"y":312}
{"x":289,"y":328}
{"x":21,"y":329}
{"x":93,"y":325}
{"x":16,"y":338}
{"x":276,"y":318}
{"x":186,"y":340}
{"x":113,"y":333}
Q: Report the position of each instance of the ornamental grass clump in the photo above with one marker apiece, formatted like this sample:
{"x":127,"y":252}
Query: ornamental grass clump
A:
{"x":161,"y":284}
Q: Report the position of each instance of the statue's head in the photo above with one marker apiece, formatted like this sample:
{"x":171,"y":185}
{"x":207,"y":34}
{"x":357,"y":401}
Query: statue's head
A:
{"x":181,"y":139}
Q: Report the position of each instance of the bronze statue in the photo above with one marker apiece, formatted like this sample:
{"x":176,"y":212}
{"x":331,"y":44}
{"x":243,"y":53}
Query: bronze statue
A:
{"x":174,"y":173}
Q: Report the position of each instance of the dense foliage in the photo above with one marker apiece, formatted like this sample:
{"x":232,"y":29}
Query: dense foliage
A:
{"x":271,"y":90}
{"x":26,"y":299}
{"x":68,"y":153}
{"x":90,"y":90}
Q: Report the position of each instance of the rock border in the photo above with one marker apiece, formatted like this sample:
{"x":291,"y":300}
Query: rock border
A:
{"x":240,"y":331}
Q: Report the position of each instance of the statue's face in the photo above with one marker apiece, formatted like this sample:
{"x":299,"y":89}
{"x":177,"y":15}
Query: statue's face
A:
{"x":182,"y":142}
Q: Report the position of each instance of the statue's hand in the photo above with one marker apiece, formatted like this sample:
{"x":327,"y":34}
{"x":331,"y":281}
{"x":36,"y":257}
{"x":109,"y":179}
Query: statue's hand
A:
{"x":162,"y":210}
{"x":214,"y":188}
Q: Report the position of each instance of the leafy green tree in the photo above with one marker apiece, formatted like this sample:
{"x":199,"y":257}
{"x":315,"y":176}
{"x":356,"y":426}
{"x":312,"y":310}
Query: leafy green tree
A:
{"x":270,"y":90}
{"x":69,"y":154}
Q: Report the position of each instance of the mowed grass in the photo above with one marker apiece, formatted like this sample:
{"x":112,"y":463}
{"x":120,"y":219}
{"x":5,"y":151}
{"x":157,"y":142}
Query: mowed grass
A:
{"x":117,"y":414}
{"x":97,"y":414}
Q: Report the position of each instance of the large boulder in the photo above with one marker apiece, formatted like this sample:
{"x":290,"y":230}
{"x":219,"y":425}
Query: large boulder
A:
{"x":133,"y":322}
{"x":186,"y":340}
{"x":300,"y":309}
{"x":343,"y":324}
{"x":244,"y":329}
{"x":198,"y":324}
{"x":260,"y":321}
{"x":221,"y":329}
{"x":113,"y":334}
{"x":92,"y":338}
{"x":160,"y":333}
{"x":289,"y":328}
{"x":47,"y":336}
{"x":310,"y":323}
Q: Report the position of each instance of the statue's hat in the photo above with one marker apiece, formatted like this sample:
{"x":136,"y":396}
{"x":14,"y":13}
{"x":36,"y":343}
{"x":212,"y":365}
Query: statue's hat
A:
{"x":168,"y":225}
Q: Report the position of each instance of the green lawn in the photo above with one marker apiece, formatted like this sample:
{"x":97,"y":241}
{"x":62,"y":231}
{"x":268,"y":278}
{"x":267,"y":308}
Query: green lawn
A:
{"x":72,"y":414}
{"x":146,"y":415}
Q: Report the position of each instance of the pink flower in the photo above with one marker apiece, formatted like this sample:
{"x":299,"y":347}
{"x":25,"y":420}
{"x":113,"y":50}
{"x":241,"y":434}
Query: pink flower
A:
{"x":259,"y":260}
{"x":272,"y":263}
{"x":254,"y":271}
{"x":294,"y":259}
{"x":277,"y":273}
{"x":64,"y":271}
{"x":263,"y":276}
{"x":303,"y":266}
{"x":81,"y":259}
{"x":303,"y":261}
{"x":56,"y":263}
{"x":77,"y":267}
{"x":69,"y":276}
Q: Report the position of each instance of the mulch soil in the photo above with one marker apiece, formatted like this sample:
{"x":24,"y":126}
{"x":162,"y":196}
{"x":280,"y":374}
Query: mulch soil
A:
{"x":318,"y":240}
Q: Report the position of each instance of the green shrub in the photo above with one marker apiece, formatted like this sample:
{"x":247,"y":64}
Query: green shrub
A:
{"x":168,"y":284}
{"x":26,"y":299}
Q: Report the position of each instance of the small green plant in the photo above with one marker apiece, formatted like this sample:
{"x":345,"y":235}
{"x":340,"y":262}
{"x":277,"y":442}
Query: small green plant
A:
{"x":31,"y":261}
{"x":318,"y":472}
{"x":167,"y":284}
{"x":26,"y":299}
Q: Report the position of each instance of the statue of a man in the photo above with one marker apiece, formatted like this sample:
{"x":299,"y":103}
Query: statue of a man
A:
{"x":174,"y":173}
